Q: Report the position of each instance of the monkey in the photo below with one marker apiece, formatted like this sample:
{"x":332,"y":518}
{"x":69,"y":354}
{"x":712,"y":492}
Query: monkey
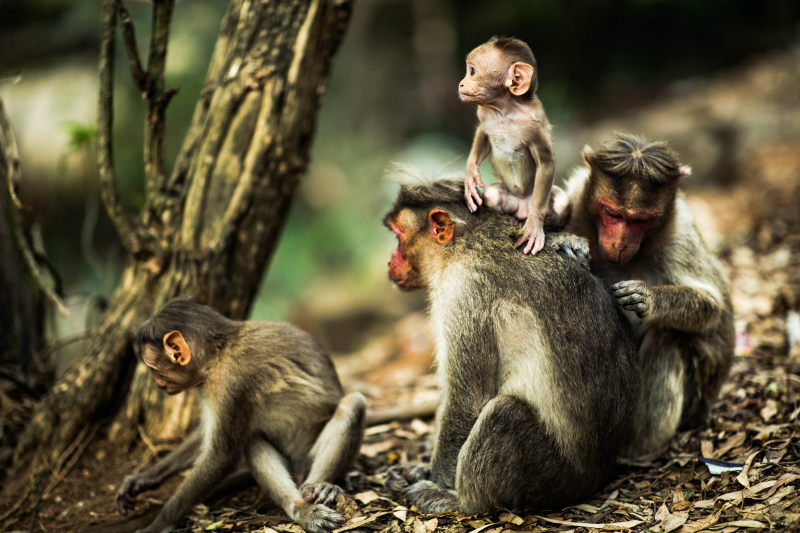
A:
{"x":502,"y":78}
{"x":270,"y":395}
{"x":644,"y":243}
{"x":537,"y":365}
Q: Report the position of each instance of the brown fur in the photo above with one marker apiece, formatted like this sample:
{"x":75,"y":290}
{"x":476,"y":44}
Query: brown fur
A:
{"x":270,"y":395}
{"x":674,"y":291}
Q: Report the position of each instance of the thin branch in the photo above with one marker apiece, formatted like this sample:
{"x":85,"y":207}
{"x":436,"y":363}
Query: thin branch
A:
{"x":157,"y":98}
{"x":105,"y":121}
{"x":129,"y":38}
{"x":10,"y":155}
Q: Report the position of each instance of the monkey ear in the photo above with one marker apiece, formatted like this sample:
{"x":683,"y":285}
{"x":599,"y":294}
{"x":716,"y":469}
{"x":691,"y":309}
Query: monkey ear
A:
{"x":518,"y":78}
{"x":684,"y":170}
{"x":177,"y":348}
{"x":441,"y":226}
{"x":588,"y":154}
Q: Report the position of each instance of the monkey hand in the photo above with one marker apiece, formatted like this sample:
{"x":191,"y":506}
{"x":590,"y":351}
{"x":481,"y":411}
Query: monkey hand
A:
{"x":322,"y":492}
{"x":400,"y":477}
{"x":633,"y":295}
{"x":131,"y":486}
{"x":317,"y":518}
{"x":471,"y":184}
{"x":532,"y":234}
{"x":570,"y":246}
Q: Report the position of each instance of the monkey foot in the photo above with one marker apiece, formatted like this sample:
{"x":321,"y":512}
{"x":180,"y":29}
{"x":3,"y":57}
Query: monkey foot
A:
{"x":323,"y":492}
{"x":430,"y":498}
{"x":317,"y":518}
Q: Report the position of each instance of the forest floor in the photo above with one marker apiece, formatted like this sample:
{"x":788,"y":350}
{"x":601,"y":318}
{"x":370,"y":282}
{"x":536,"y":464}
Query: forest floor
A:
{"x":753,"y":223}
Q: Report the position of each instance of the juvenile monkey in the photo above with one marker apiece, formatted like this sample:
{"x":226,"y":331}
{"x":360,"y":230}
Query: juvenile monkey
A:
{"x":502,"y":78}
{"x":269,"y":394}
{"x":644,"y":243}
{"x":537,"y":364}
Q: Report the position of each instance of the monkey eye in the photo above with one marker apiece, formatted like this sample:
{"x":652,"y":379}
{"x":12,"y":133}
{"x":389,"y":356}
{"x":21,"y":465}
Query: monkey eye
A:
{"x":615,"y":216}
{"x":471,"y":71}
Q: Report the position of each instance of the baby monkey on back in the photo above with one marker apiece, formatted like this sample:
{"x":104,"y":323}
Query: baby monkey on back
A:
{"x":502,"y":79}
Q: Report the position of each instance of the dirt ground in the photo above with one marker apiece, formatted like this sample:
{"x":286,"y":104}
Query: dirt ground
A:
{"x":753,"y":223}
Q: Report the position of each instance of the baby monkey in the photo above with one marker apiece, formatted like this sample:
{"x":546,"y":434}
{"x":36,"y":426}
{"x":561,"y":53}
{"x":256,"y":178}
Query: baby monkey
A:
{"x":270,"y":396}
{"x":502,"y":79}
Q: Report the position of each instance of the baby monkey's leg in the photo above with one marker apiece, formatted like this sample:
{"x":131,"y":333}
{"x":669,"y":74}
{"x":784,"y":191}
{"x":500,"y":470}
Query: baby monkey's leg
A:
{"x":498,"y":197}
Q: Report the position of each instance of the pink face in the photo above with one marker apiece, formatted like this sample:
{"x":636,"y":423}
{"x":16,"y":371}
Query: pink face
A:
{"x":401,"y":272}
{"x":484,"y":77}
{"x":620,"y":230}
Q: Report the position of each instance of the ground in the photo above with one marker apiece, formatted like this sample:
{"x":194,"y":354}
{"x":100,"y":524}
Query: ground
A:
{"x":752,"y":221}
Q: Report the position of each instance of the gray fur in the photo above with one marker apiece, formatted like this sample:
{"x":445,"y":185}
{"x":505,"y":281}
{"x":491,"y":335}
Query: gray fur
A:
{"x":678,"y":301}
{"x":538,"y":367}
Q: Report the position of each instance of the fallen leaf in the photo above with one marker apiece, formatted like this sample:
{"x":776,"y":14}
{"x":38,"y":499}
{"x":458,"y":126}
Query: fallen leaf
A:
{"x":511,"y":518}
{"x":611,"y":525}
{"x":367,"y":497}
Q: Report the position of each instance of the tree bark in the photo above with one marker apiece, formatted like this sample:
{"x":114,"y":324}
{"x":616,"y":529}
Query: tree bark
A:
{"x":207,"y":230}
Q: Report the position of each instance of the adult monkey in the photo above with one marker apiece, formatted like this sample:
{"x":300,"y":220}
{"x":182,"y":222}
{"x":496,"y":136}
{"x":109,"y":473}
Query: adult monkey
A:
{"x":538,"y":365}
{"x":644,"y":243}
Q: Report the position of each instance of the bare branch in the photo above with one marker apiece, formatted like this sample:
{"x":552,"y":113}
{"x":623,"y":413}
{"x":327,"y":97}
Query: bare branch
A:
{"x":157,"y":98}
{"x":105,"y":121}
{"x":9,"y":165}
{"x":129,"y":38}
{"x":11,"y":154}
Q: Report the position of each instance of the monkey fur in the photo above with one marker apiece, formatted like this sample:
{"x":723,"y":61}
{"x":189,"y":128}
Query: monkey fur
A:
{"x":537,"y":364}
{"x":269,"y":394}
{"x":501,"y":78}
{"x":644,"y":243}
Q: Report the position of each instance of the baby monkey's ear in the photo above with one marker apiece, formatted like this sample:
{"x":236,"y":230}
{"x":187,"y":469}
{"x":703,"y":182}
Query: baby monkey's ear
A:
{"x":518,"y":78}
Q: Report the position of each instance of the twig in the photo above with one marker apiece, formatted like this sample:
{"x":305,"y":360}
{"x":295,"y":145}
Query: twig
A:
{"x":10,"y":154}
{"x":401,"y":412}
{"x":78,"y":446}
{"x":129,"y":38}
{"x":105,"y":120}
{"x":35,"y":509}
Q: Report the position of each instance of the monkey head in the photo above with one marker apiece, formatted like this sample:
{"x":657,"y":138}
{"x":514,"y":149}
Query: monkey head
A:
{"x":418,"y":240}
{"x":426,"y":219}
{"x":632,"y":184}
{"x":498,"y":69}
{"x":171,"y":363}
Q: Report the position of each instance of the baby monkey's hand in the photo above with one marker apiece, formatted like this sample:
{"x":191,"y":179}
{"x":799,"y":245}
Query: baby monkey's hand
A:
{"x":471,"y":184}
{"x":533,"y":234}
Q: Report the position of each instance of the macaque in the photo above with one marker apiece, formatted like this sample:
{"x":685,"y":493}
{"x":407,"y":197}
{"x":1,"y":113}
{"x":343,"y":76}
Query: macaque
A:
{"x":537,"y":364}
{"x":502,"y":78}
{"x":269,"y":394}
{"x":644,"y":243}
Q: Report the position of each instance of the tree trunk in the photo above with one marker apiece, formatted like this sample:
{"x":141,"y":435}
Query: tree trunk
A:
{"x":208,"y":230}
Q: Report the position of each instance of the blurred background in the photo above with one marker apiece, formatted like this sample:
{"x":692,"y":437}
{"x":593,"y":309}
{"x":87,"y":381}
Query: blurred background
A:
{"x":720,"y":79}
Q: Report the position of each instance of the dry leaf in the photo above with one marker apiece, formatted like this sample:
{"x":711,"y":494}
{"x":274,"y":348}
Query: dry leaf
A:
{"x":367,"y":497}
{"x":511,"y":518}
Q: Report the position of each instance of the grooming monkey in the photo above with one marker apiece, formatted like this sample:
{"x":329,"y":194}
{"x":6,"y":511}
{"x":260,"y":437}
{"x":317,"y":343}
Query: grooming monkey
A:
{"x":502,"y":78}
{"x":644,"y":243}
{"x":537,"y":364}
{"x":269,"y":394}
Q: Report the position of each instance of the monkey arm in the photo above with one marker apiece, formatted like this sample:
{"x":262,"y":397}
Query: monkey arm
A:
{"x":479,"y":151}
{"x":217,"y":457}
{"x":152,"y":477}
{"x":673,"y":306}
{"x":541,"y":148}
{"x":471,"y":378}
